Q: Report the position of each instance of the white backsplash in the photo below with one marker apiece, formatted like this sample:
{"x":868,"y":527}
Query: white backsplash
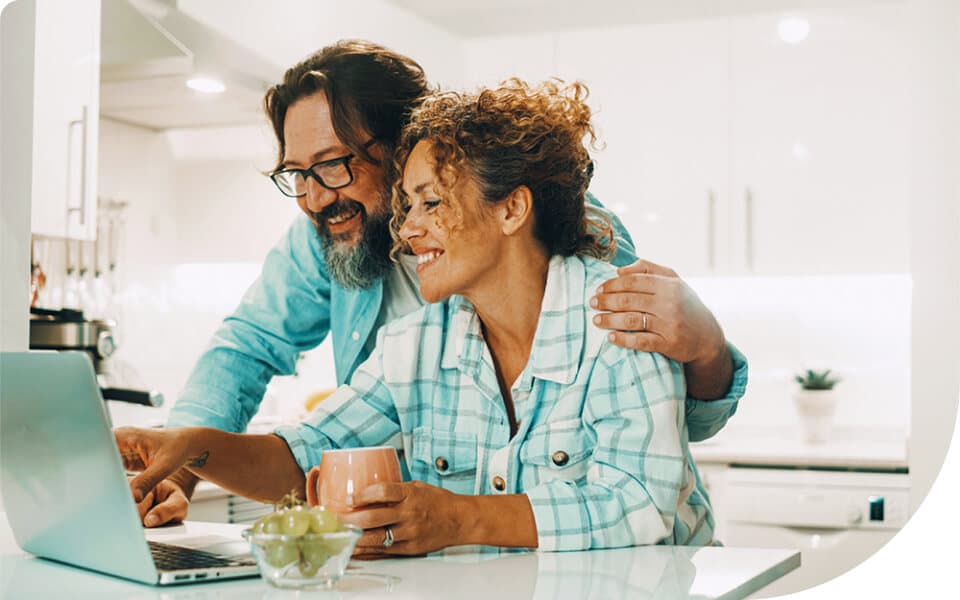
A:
{"x":856,"y":325}
{"x":859,"y":326}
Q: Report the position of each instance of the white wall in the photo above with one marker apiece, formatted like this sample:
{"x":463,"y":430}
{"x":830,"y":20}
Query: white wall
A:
{"x":936,"y":236}
{"x":228,"y":211}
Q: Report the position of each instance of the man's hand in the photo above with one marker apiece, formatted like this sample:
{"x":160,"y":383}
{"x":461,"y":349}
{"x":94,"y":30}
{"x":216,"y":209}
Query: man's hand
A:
{"x":651,"y":309}
{"x":422,"y":518}
{"x":678,"y":325}
{"x":156,"y":454}
{"x":166,"y":503}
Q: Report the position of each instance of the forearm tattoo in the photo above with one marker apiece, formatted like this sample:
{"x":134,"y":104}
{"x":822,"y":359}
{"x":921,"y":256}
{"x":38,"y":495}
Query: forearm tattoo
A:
{"x":198,"y":461}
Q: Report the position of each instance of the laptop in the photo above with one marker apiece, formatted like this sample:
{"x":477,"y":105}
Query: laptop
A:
{"x":65,"y":490}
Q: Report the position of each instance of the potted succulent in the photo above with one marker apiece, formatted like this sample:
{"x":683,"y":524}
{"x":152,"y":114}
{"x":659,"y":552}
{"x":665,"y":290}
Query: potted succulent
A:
{"x":816,"y":402}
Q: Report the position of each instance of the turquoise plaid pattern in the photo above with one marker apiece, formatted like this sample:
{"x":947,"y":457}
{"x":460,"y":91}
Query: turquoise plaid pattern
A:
{"x":602,"y":446}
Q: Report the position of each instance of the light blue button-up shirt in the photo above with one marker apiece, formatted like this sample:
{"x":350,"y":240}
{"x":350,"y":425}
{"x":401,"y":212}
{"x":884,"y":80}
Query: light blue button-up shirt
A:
{"x":601,"y":450}
{"x":295,"y":304}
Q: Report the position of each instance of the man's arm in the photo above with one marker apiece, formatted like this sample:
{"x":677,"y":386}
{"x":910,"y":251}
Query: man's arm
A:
{"x":285,"y":312}
{"x":677,"y":325}
{"x":652,"y":309}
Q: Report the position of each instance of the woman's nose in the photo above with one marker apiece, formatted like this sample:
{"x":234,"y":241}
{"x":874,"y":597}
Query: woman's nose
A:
{"x":411,"y":227}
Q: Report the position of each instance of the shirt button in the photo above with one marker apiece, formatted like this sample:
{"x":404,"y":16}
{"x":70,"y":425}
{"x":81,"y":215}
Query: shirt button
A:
{"x":499,"y":484}
{"x":560,"y":458}
{"x":441,"y":463}
{"x":355,"y":335}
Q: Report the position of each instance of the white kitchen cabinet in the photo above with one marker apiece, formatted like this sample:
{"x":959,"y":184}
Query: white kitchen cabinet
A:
{"x":66,"y":114}
{"x":729,"y":151}
{"x":659,"y":93}
{"x":819,"y":146}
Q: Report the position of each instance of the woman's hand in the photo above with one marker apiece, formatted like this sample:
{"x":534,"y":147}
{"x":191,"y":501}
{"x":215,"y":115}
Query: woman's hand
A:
{"x":678,"y":325}
{"x":156,"y":454}
{"x":422,"y":518}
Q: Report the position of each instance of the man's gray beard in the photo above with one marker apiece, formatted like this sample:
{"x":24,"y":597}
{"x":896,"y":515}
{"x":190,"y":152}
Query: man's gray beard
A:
{"x":361,"y":266}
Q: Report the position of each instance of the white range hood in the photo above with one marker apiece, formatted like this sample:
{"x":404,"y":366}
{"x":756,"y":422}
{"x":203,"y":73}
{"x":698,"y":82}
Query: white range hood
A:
{"x":150,"y":48}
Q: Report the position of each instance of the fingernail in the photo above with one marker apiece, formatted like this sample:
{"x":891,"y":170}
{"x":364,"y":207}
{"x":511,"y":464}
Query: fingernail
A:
{"x":596,"y":320}
{"x":600,"y":290}
{"x":138,"y":495}
{"x":611,"y":337}
{"x":594,"y":302}
{"x":151,"y":520}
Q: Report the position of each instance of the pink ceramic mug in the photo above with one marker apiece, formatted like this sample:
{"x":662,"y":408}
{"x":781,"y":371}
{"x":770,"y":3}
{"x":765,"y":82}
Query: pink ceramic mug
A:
{"x":343,"y":473}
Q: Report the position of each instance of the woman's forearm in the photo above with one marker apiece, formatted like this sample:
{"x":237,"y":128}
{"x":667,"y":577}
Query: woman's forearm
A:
{"x":260,"y":467}
{"x":505,"y":521}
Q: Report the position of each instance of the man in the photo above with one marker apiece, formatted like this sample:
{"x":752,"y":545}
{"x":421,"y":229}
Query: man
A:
{"x":337,"y":117}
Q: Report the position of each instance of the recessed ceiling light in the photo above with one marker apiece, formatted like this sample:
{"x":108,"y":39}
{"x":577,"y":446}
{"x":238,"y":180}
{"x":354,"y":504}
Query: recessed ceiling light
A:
{"x":793,"y":30}
{"x":207,"y":85}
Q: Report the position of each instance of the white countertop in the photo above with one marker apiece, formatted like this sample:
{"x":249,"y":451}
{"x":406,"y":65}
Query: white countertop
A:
{"x":641,"y":572}
{"x":845,"y":449}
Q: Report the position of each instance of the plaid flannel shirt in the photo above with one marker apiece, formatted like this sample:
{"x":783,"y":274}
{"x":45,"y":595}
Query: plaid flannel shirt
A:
{"x":601,"y":451}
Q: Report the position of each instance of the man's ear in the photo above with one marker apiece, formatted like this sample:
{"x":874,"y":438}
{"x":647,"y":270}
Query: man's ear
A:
{"x":516,"y":210}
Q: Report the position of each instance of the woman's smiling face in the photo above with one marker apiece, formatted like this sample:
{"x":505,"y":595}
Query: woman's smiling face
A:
{"x":455,"y":238}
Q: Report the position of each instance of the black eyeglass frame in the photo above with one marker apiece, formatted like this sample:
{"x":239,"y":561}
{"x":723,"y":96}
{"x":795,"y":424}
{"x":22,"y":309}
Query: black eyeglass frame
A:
{"x":309,"y":172}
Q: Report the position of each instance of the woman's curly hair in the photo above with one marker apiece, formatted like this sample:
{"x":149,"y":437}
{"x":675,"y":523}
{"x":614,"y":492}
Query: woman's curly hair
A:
{"x":509,"y":136}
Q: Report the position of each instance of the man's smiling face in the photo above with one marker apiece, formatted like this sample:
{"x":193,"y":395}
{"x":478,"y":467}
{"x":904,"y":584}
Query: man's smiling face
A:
{"x":352,"y":221}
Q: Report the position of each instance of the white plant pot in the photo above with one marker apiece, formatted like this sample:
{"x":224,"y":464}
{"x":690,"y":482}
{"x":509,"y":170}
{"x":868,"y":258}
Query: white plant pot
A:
{"x":816,"y":409}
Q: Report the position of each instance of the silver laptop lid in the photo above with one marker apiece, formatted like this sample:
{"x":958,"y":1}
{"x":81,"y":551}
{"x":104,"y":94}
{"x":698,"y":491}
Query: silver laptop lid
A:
{"x":64,"y":487}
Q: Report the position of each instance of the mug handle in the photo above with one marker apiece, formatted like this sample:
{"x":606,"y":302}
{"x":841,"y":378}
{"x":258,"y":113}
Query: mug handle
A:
{"x":313,"y":478}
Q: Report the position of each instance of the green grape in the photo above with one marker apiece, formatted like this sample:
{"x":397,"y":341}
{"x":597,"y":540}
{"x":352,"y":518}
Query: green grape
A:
{"x":314,"y":551}
{"x":272,"y":523}
{"x":335,"y":544}
{"x":295,"y":521}
{"x":281,"y":554}
{"x":258,"y":524}
{"x":308,"y":569}
{"x":323,"y":521}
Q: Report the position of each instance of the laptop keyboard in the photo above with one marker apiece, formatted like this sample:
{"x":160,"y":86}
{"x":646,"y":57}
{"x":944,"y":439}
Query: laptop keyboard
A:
{"x":177,"y":558}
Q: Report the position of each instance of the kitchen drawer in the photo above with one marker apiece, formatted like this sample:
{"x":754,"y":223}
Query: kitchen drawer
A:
{"x":802,"y":498}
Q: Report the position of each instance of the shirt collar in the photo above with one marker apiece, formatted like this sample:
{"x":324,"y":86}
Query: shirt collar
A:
{"x":557,"y":343}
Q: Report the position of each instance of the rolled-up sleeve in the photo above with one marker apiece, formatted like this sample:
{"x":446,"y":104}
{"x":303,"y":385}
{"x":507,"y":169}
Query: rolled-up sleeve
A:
{"x":285,"y":312}
{"x":638,"y":468}
{"x":706,"y":417}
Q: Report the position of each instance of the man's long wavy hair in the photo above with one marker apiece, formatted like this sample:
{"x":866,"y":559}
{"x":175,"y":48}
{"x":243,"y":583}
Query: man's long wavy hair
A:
{"x":371,"y":91}
{"x":510,"y":136}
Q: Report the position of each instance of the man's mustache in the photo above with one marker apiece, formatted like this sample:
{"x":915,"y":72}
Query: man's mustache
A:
{"x":336,"y":209}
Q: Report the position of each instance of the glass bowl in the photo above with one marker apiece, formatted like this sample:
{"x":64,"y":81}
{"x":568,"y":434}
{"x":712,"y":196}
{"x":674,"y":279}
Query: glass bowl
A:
{"x":308,"y":561}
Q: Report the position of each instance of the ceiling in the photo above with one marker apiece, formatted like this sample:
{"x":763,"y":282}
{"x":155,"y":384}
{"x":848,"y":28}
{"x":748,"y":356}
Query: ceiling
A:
{"x":501,"y":17}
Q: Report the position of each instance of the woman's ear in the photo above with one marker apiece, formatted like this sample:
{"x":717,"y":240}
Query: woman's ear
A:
{"x":517,"y":210}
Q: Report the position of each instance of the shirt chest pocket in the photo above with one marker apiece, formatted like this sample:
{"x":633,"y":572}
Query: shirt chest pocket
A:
{"x":445,"y":459}
{"x":556,"y":451}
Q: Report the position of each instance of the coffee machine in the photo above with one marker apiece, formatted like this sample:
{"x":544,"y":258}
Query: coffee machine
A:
{"x":68,"y":329}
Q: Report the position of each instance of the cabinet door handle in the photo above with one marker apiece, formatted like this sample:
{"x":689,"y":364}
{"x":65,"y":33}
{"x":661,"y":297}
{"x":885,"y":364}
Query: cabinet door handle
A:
{"x":82,"y":209}
{"x":748,"y":226}
{"x":83,"y":167}
{"x":711,"y":230}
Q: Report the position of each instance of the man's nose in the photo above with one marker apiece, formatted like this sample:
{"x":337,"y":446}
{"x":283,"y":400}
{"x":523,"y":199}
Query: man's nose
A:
{"x":318,"y":197}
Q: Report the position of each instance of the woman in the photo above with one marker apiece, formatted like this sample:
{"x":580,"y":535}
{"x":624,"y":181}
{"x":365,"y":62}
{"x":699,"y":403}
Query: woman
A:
{"x":521,"y":426}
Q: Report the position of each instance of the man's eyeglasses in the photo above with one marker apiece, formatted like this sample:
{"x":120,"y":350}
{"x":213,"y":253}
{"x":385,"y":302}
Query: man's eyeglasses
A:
{"x":332,"y":174}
